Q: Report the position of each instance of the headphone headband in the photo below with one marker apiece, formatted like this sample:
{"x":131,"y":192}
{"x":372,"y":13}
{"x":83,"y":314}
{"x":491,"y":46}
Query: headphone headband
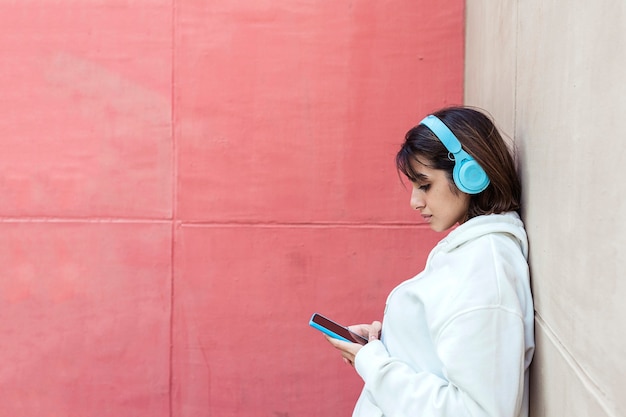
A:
{"x":468,"y":175}
{"x":443,"y":133}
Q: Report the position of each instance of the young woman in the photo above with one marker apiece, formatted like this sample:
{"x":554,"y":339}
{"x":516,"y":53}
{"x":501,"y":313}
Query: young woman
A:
{"x":457,"y":339}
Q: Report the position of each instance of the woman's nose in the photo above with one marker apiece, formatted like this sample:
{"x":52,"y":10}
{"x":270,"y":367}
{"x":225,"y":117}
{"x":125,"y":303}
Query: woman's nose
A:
{"x":417,"y":202}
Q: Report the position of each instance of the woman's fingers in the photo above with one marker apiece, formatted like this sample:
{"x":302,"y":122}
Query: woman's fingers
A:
{"x":374,"y":331}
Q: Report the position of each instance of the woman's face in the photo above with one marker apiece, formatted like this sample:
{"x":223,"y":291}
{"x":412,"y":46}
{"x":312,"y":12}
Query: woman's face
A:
{"x":432,"y":195}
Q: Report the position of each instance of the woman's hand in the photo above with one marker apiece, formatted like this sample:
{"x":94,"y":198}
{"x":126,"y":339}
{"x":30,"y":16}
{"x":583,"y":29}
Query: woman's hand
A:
{"x":349,"y":350}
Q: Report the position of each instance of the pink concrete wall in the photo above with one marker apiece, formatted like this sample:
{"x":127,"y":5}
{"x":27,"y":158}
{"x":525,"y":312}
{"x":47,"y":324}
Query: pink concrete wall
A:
{"x":184,"y":183}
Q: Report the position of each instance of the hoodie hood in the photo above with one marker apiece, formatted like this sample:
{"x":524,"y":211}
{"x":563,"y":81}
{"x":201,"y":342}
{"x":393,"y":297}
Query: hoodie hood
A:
{"x":507,"y":223}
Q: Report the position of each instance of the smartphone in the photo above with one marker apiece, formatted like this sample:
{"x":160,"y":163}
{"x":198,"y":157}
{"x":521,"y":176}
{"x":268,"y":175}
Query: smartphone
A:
{"x":335,"y":330}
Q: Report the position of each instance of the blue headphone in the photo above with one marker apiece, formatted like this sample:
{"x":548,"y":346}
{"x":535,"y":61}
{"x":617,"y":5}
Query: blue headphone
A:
{"x":468,"y":175}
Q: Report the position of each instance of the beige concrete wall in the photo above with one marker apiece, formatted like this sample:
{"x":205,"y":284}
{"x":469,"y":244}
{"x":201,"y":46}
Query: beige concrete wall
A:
{"x":553,"y":74}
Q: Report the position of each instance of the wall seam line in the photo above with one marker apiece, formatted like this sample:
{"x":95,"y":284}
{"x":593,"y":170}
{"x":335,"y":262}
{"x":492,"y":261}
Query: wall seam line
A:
{"x":515,"y":85}
{"x":174,"y":213}
{"x":307,"y":225}
{"x":84,"y":220}
{"x":586,"y":379}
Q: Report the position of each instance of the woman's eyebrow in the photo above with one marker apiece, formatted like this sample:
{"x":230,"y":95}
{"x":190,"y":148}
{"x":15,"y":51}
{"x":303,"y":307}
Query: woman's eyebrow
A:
{"x":418,"y":177}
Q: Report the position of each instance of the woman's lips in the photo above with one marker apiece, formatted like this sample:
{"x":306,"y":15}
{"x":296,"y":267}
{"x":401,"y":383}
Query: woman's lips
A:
{"x":426,"y":217}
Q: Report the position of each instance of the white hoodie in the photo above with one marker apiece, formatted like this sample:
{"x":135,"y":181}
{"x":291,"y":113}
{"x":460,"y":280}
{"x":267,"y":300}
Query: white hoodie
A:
{"x":457,"y":338}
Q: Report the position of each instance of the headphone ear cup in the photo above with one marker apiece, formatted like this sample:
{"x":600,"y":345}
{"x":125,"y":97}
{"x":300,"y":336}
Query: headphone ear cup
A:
{"x":469,"y":176}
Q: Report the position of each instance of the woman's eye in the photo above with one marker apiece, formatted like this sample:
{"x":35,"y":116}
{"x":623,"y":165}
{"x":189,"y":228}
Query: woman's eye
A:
{"x":424,"y":187}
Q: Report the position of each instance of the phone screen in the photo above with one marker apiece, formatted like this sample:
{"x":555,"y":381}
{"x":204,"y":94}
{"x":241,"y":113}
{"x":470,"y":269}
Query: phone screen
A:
{"x":333,"y":329}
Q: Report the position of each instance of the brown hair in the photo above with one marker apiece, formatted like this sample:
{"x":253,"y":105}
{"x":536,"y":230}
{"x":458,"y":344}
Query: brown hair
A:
{"x":479,"y":138}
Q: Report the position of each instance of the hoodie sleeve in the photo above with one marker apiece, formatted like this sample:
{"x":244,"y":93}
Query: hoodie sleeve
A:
{"x":482,"y":351}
